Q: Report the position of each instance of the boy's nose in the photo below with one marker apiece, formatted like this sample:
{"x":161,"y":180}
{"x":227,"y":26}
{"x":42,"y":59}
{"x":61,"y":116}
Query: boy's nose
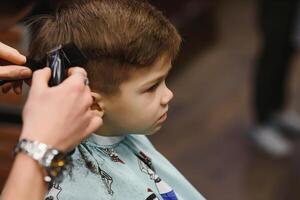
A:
{"x":168,"y":95}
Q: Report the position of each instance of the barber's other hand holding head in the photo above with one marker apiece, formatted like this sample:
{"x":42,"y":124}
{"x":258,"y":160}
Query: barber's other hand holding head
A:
{"x":13,"y":71}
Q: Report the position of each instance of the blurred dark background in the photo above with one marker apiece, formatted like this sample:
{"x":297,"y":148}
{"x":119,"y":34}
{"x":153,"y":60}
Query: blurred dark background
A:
{"x":206,"y":133}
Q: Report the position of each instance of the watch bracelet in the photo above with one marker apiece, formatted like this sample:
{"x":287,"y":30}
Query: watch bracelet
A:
{"x":45,"y":155}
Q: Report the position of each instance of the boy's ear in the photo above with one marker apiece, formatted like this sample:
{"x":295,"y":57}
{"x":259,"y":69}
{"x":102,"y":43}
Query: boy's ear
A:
{"x":97,"y":102}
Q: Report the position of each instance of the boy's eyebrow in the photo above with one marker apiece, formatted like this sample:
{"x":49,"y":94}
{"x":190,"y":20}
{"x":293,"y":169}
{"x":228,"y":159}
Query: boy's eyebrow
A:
{"x":157,"y":79}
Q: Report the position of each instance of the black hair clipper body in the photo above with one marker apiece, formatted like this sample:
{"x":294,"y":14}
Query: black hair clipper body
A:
{"x":56,"y":62}
{"x":59,"y":60}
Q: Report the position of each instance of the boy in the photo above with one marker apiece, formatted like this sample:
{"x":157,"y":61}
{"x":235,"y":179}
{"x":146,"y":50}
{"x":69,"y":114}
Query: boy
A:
{"x":129,"y":46}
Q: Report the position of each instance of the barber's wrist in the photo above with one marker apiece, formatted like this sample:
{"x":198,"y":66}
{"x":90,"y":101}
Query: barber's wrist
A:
{"x":50,"y":159}
{"x":28,"y":161}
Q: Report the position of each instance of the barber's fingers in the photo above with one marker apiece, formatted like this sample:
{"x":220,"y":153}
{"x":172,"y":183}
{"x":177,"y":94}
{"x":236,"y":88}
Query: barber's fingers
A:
{"x":10,"y":54}
{"x":40,"y":79}
{"x":74,"y":70}
{"x":14,"y":72}
{"x":77,"y":79}
{"x":87,"y":98}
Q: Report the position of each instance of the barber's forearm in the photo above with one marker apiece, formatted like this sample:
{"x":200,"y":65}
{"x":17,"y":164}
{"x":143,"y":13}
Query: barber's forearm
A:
{"x":25,"y":180}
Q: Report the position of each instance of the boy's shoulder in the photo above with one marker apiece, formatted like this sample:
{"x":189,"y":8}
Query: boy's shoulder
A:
{"x":96,"y":175}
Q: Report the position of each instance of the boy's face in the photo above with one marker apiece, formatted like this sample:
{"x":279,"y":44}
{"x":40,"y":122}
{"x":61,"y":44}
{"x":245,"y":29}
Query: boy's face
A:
{"x":142,"y":105}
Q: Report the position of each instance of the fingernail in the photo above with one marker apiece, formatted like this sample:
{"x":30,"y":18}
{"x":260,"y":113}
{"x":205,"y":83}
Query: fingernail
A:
{"x":25,"y":72}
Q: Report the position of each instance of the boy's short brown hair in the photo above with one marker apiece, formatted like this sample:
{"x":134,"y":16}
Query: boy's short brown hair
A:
{"x":117,"y":36}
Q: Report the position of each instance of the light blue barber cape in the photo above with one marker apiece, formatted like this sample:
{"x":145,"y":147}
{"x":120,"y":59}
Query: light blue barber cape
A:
{"x":121,"y":168}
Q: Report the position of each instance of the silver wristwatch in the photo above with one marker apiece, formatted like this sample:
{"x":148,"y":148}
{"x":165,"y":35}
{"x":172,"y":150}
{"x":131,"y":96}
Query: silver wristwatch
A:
{"x":50,"y":158}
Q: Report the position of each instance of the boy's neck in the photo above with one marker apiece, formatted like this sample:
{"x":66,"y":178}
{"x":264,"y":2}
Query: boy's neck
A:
{"x":107,"y":132}
{"x":103,"y":140}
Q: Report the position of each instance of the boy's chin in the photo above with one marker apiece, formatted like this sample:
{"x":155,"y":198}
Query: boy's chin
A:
{"x":148,"y":131}
{"x":154,"y":130}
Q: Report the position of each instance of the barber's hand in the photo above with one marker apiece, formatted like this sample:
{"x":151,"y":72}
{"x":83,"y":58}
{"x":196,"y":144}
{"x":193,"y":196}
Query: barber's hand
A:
{"x":14,"y":71}
{"x":59,"y":116}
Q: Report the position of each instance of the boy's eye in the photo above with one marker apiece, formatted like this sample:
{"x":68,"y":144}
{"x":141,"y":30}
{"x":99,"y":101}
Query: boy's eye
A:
{"x":152,"y":88}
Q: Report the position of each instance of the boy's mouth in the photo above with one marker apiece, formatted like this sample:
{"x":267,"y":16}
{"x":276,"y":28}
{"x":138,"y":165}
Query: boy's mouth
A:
{"x":162,"y":118}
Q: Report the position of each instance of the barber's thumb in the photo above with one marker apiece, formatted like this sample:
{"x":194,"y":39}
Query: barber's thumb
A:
{"x":41,"y":78}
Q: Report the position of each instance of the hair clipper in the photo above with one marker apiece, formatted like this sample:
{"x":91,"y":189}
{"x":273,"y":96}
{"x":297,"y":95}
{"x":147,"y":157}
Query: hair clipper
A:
{"x":58,"y":59}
